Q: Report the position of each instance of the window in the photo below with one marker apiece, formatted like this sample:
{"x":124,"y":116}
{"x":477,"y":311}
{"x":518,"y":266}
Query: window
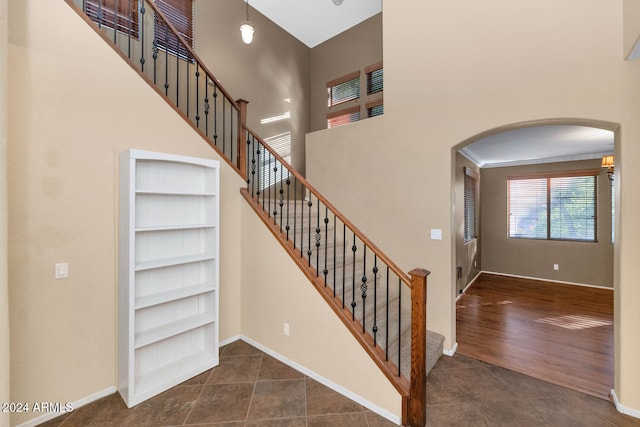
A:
{"x":343,"y":117}
{"x":553,"y":207}
{"x":119,"y":14}
{"x":281,"y":144}
{"x":345,"y":93}
{"x":344,"y":89}
{"x":470,"y":205}
{"x":180,"y":14}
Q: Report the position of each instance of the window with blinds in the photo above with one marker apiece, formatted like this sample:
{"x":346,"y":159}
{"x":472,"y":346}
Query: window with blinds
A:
{"x":281,"y":144}
{"x":344,"y":89}
{"x":554,"y":207}
{"x":343,"y":117}
{"x":374,"y":79}
{"x":180,"y":14}
{"x":345,"y":92}
{"x":470,"y":205}
{"x":121,"y":15}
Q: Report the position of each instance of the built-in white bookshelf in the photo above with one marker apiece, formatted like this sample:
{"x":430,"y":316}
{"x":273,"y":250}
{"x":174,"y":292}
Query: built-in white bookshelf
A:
{"x":168,"y":271}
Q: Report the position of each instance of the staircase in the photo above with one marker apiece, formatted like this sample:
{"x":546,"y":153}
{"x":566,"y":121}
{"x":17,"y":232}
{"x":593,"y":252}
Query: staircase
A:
{"x":381,"y":305}
{"x":364,"y":292}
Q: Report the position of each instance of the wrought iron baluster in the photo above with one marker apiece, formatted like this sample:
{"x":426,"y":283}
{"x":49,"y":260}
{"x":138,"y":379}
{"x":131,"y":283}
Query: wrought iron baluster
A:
{"x":143,"y":11}
{"x":115,"y":22}
{"x":166,"y":59}
{"x":198,"y":94}
{"x":344,"y":260}
{"x":302,"y":225}
{"x":224,"y":124}
{"x":188,"y":74}
{"x":318,"y":238}
{"x":215,"y":115}
{"x":295,"y":210}
{"x":375,"y":300}
{"x":326,"y":242}
{"x":178,"y":75}
{"x":231,"y":139}
{"x":129,"y":29}
{"x":386,"y":343}
{"x":354,"y":248}
{"x":281,"y":197}
{"x":309,"y":252}
{"x":399,"y":324}
{"x":363,"y":286}
{"x":288,"y":201}
{"x":253,"y":163}
{"x":206,"y":105}
{"x":275,"y":176}
{"x":335,"y":263}
{"x":100,"y":14}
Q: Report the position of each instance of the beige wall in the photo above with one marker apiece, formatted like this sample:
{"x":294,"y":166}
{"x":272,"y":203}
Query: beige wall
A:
{"x":631,"y":26}
{"x":468,"y":255}
{"x":349,"y":51}
{"x":4,"y":296}
{"x":273,"y":68}
{"x":470,"y":67}
{"x":67,"y":125}
{"x":579,"y":262}
{"x":275,"y":291}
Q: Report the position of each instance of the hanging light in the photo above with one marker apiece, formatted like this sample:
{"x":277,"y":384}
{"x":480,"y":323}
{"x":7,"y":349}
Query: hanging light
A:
{"x":247,"y":29}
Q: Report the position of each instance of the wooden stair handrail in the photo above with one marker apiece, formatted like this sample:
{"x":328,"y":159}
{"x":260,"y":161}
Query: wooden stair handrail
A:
{"x":381,"y":255}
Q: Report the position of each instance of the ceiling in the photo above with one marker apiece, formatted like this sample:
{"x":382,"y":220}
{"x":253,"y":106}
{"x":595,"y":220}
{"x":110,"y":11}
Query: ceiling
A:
{"x":315,"y":21}
{"x":540,"y":144}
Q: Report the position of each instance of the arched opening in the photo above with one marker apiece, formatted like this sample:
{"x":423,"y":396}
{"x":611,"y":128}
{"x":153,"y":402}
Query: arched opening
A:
{"x":525,"y":276}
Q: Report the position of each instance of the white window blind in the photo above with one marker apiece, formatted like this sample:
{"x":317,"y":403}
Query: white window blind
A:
{"x":346,"y":88}
{"x":554,"y":207}
{"x":470,"y":205}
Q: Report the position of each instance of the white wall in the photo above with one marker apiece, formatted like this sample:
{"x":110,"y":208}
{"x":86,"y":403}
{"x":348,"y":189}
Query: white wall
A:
{"x":4,"y":296}
{"x":75,"y":106}
{"x":467,"y":68}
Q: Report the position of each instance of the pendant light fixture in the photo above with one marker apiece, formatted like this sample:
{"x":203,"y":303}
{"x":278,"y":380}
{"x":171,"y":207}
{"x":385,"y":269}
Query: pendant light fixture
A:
{"x":247,"y":29}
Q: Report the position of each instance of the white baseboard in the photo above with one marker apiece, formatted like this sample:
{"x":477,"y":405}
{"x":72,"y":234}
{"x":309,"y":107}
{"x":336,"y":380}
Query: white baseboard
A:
{"x":548,"y":280}
{"x":230,"y":340}
{"x":623,"y":409}
{"x":76,"y":405}
{"x":451,"y":351}
{"x":335,"y":387}
{"x":464,"y":291}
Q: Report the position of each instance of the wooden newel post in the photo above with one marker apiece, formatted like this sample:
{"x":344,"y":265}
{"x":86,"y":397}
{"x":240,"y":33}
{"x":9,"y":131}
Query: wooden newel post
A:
{"x":242,"y":141}
{"x":417,"y":411}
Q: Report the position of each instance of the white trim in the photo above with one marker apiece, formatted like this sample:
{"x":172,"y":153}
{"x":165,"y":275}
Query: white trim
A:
{"x":451,"y":351}
{"x":464,"y":291}
{"x":76,"y":405}
{"x":549,"y":280}
{"x":623,"y":409}
{"x":335,"y":387}
{"x":230,"y":340}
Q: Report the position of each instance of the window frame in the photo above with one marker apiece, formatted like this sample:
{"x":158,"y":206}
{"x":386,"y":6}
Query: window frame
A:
{"x":548,"y":177}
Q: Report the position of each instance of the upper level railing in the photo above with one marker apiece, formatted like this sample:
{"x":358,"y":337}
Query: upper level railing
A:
{"x":151,"y":43}
{"x":383,"y":307}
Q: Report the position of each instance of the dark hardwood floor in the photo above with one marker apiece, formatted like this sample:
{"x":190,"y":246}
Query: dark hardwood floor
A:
{"x":555,"y":332}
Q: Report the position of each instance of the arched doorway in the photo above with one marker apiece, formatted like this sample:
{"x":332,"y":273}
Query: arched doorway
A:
{"x":549,"y":259}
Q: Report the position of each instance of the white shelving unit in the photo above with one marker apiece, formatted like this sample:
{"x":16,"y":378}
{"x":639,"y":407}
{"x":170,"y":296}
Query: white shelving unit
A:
{"x":168,"y":278}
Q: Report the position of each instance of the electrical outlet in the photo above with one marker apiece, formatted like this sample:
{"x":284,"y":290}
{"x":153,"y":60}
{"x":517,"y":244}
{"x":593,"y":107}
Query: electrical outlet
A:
{"x":556,"y":267}
{"x":285,"y":329}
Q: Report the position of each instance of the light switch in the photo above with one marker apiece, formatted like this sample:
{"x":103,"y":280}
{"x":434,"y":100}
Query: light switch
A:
{"x":62,"y":270}
{"x":436,"y":234}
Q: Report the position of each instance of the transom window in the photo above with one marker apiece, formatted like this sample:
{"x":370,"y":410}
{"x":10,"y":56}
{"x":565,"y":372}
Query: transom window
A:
{"x":554,"y":206}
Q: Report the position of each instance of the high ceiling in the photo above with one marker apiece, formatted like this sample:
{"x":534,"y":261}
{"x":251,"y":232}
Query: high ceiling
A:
{"x":540,"y":144}
{"x":315,"y":21}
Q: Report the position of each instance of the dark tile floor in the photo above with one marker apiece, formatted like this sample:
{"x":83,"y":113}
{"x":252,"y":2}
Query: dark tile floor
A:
{"x":252,"y":389}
